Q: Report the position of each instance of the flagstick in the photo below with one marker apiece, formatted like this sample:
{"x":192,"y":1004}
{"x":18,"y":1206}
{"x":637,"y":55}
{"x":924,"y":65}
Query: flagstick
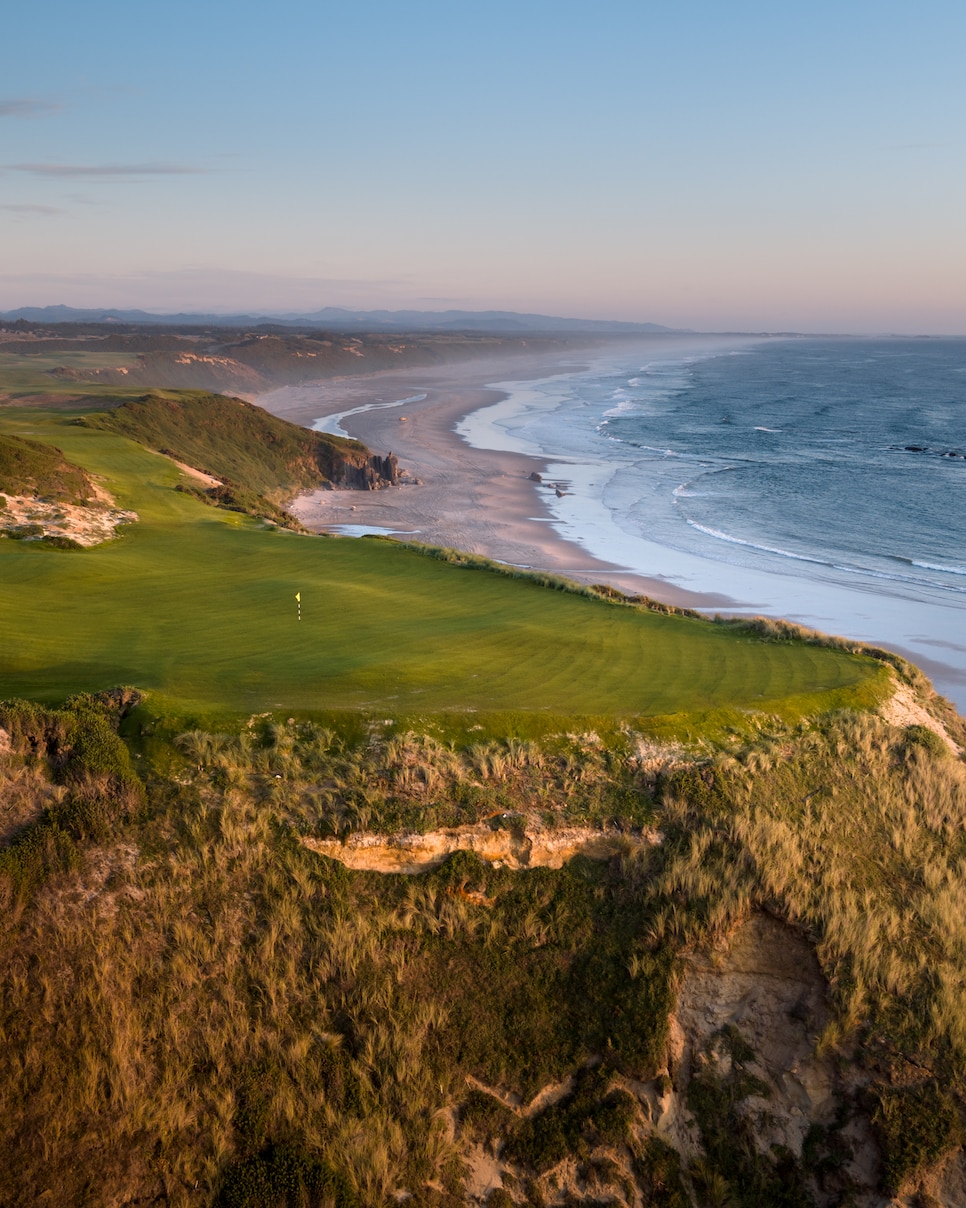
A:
{"x":298,"y":604}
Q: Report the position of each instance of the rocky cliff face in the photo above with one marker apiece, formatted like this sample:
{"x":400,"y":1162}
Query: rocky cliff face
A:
{"x":370,"y":475}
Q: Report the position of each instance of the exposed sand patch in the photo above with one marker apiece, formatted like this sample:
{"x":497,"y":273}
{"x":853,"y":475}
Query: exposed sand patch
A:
{"x":904,"y":709}
{"x":946,"y":1186}
{"x":511,"y":848}
{"x":199,"y":475}
{"x":85,"y":524}
{"x":484,"y":1173}
{"x":768,"y":986}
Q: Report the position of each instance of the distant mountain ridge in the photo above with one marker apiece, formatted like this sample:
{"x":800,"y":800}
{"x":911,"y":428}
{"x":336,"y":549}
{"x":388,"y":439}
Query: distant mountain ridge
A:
{"x":344,"y":320}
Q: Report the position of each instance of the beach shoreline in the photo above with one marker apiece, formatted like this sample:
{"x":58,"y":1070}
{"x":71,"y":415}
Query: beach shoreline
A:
{"x":470,"y":484}
{"x":481,"y":501}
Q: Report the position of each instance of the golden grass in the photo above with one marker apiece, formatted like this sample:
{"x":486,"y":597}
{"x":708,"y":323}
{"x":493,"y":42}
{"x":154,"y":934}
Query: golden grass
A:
{"x":202,"y":986}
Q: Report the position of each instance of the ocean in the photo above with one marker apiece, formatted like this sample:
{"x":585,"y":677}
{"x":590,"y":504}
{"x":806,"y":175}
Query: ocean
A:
{"x":823,"y":480}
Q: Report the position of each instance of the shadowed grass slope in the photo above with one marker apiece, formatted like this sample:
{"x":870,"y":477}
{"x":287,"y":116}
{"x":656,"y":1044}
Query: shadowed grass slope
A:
{"x":234,"y":441}
{"x":28,"y":467}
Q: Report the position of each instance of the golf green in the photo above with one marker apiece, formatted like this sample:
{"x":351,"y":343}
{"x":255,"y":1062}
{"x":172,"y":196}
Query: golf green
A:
{"x":199,"y":606}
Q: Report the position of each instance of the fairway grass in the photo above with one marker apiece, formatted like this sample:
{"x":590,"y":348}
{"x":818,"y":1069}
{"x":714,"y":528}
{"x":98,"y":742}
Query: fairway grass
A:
{"x":198,"y":608}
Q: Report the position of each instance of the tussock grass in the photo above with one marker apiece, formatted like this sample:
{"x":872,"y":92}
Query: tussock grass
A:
{"x":198,"y":1007}
{"x":326,"y":787}
{"x":195,"y":986}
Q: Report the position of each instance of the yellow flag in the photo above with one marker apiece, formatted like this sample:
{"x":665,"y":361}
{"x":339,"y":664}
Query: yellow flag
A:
{"x":298,"y":596}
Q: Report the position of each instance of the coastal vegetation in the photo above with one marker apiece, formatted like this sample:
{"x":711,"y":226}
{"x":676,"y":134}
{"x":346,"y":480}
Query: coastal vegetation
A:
{"x":752,"y":994}
{"x":235,"y":441}
{"x":200,"y":1008}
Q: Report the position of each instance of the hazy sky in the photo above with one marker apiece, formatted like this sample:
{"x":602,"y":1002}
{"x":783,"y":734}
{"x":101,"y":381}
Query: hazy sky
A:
{"x":711,"y":165}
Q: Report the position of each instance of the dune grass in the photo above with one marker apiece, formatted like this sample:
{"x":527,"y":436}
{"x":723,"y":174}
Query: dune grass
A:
{"x":201,"y":1008}
{"x":199,"y":608}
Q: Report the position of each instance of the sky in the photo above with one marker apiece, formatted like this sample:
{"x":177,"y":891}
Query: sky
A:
{"x":740,"y":166}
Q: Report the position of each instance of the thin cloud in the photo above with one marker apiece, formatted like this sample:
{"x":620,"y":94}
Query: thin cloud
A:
{"x":914,"y":146}
{"x":433,"y":300}
{"x":25,"y":107}
{"x":29,"y":208}
{"x":115,"y":171}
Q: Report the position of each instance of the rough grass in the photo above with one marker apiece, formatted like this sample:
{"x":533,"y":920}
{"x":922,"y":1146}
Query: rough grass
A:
{"x":416,"y":783}
{"x":195,"y":1006}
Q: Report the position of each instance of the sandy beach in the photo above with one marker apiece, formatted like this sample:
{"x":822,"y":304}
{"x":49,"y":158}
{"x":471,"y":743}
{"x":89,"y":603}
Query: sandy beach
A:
{"x":477,"y":500}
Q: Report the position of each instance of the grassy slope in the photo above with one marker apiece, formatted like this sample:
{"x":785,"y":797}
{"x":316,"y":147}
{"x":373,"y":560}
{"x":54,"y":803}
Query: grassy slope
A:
{"x":23,"y":374}
{"x":200,"y":606}
{"x":234,"y":441}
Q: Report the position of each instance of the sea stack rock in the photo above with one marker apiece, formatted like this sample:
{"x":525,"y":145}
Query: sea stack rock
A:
{"x":374,"y":473}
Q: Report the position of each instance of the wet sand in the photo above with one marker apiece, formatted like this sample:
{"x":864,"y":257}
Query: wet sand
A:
{"x":476,"y":500}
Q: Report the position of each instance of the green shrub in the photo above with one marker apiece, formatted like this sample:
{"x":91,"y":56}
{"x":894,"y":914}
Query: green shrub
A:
{"x":28,"y":467}
{"x":916,"y":1126}
{"x":56,"y":542}
{"x":926,"y":739}
{"x":283,"y":1176}
{"x":657,"y":1169}
{"x":80,"y":749}
{"x":96,"y":749}
{"x":588,"y":1117}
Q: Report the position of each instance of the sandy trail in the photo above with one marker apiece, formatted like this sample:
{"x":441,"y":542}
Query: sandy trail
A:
{"x":476,"y":500}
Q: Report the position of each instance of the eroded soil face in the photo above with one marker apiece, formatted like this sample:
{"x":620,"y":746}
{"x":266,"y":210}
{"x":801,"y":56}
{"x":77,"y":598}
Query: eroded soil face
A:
{"x":756,"y":1011}
{"x":748,"y":1022}
{"x":904,"y":708}
{"x":510,"y":848}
